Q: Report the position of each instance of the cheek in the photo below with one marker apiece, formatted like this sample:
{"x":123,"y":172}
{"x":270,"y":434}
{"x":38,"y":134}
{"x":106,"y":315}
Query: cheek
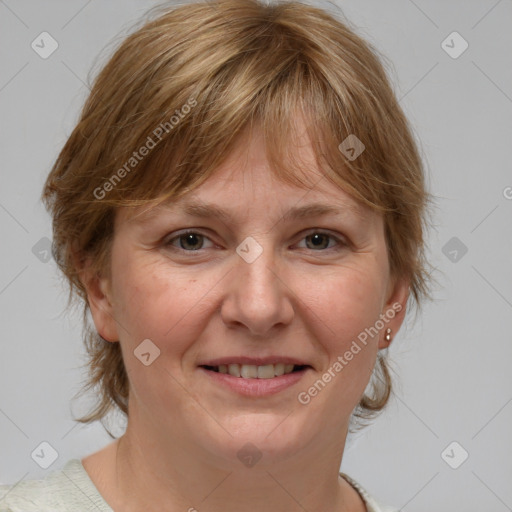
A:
{"x":345,"y":307}
{"x":159,"y":303}
{"x":348,"y":301}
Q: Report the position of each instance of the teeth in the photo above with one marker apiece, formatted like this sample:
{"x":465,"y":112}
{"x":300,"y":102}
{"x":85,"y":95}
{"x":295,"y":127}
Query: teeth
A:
{"x":265,"y":372}
{"x":279,"y":369}
{"x":234,"y":369}
{"x":251,"y":371}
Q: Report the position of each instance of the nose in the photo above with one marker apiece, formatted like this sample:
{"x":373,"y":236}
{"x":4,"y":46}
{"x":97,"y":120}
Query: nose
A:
{"x":258,"y":297}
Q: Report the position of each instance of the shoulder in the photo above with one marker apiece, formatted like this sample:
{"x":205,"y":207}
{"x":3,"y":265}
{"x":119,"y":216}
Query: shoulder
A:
{"x":24,"y":496}
{"x":372,"y":505}
{"x":65,"y":490}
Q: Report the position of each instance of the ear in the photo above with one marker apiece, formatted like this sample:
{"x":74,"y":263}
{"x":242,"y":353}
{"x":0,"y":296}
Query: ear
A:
{"x":394,"y":309}
{"x":99,"y":297}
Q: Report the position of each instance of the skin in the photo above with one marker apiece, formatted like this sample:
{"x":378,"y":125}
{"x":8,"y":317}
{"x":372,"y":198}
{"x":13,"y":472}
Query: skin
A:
{"x":310,"y":301}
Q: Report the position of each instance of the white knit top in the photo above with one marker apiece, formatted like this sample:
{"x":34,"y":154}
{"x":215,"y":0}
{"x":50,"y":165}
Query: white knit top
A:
{"x":72,"y":490}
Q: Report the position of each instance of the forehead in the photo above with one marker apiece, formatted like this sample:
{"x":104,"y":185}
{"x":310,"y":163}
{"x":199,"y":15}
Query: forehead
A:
{"x":245,"y":185}
{"x":242,"y":198}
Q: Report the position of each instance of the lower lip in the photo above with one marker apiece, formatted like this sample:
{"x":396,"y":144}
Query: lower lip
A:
{"x":256,"y":387}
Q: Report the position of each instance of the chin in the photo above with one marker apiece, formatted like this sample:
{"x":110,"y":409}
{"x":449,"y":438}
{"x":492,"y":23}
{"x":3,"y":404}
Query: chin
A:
{"x":267,"y":437}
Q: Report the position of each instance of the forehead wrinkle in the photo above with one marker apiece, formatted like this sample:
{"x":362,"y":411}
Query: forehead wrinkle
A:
{"x":200,"y":209}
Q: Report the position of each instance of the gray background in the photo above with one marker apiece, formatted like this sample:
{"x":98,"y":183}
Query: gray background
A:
{"x":453,"y":364}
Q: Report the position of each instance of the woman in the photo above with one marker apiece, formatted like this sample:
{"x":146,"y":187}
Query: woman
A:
{"x":241,"y":208}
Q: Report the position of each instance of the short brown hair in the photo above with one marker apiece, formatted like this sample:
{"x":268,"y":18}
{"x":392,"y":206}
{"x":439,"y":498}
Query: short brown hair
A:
{"x":185,"y":85}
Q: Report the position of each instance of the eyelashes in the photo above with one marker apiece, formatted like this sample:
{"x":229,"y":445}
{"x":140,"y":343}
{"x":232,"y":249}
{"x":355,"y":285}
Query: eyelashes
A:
{"x":190,"y":237}
{"x":188,"y":241}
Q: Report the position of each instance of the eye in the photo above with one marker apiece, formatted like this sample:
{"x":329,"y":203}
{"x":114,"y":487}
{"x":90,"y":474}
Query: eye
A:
{"x":192,"y":241}
{"x":188,"y":241}
{"x":320,"y":240}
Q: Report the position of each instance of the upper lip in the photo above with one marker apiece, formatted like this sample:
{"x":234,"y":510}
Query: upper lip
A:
{"x":257,"y":361}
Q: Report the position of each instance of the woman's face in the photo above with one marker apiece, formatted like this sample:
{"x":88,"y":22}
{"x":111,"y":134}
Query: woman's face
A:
{"x":257,"y":285}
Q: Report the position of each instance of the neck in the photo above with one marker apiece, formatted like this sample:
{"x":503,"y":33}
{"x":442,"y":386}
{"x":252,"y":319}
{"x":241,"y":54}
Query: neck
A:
{"x":173,"y":473}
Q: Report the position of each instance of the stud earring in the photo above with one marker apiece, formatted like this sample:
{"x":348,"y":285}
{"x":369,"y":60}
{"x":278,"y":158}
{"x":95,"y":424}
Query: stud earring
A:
{"x":387,"y":337}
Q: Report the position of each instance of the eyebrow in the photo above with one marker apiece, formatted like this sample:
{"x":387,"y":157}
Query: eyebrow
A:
{"x":200,"y":209}
{"x":203,"y":210}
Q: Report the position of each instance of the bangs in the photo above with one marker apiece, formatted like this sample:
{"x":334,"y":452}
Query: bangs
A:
{"x":267,"y":81}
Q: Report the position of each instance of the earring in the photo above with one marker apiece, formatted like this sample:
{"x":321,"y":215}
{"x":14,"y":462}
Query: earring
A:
{"x":387,"y":337}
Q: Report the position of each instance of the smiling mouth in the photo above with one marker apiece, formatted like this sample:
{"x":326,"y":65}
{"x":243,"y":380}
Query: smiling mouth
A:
{"x":249,"y":371}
